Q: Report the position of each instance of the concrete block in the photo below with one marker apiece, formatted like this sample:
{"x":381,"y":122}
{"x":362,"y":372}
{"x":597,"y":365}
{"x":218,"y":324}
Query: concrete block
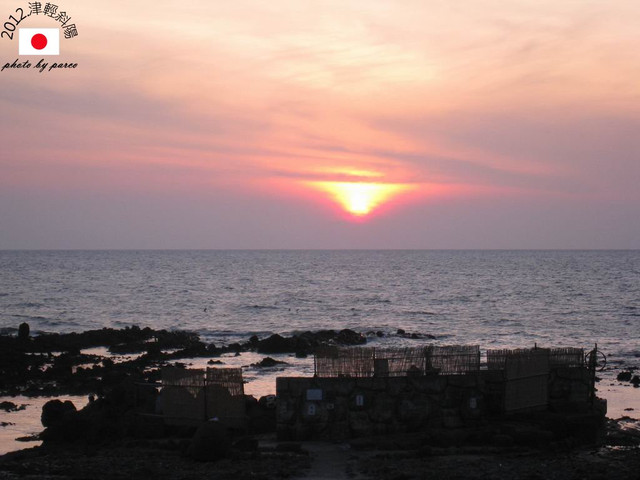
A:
{"x":285,"y":411}
{"x":344,"y":387}
{"x":463,"y":381}
{"x":282,"y":386}
{"x":430,"y":384}
{"x":359,"y":424}
{"x":298,"y":386}
{"x":399,"y":386}
{"x":413,"y":412}
{"x":339,"y":431}
{"x":384,"y":407}
{"x":452,"y":422}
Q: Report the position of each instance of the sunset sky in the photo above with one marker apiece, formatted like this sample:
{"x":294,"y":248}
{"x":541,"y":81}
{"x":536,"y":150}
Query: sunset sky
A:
{"x":326,"y":124}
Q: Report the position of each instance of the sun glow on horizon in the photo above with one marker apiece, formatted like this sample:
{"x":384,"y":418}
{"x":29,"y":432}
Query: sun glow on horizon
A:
{"x":360,"y":198}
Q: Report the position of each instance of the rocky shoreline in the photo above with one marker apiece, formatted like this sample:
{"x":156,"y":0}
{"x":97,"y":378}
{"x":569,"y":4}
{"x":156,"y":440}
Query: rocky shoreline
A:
{"x":52,"y":364}
{"x":106,"y":440}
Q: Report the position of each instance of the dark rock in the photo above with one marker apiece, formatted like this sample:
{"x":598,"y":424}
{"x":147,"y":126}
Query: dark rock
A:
{"x":54,"y":411}
{"x":73,"y":351}
{"x":349,"y":337}
{"x":321,"y":337}
{"x":211,"y":442}
{"x":107,"y":419}
{"x":303,"y":346}
{"x":24,"y":371}
{"x":250,"y":401}
{"x":268,"y":362}
{"x":414,"y":336}
{"x":128,"y":348}
{"x":268,"y":402}
{"x":624,"y":376}
{"x":11,"y":407}
{"x":91,"y":338}
{"x":261,"y":414}
{"x":636,"y":381}
{"x":276,"y":344}
{"x":305,"y":343}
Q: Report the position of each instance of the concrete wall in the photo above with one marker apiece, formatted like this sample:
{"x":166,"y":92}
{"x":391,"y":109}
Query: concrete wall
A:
{"x":340,"y":408}
{"x":569,"y":388}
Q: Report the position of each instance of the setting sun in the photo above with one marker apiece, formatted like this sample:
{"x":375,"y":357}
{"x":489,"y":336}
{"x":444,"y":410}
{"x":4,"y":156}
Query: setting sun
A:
{"x":360,"y":198}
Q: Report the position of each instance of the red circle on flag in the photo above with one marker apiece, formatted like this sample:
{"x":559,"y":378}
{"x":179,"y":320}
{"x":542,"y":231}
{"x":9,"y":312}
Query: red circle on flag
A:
{"x":38,"y":41}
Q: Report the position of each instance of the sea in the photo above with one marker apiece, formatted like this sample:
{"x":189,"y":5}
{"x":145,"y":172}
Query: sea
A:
{"x":492,"y":298}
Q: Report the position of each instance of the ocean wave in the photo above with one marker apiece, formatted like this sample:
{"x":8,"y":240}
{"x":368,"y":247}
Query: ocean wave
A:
{"x":31,"y":317}
{"x":50,"y":322}
{"x":261,"y":307}
{"x":28,"y":305}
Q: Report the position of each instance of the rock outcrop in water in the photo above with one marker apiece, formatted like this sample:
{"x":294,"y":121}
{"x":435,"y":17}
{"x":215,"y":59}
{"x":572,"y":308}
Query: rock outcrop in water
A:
{"x":628,"y":376}
{"x":306,"y":342}
{"x":53,"y":363}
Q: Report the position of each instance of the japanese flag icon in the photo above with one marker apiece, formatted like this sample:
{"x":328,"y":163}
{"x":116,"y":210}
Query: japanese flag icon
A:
{"x":39,"y":41}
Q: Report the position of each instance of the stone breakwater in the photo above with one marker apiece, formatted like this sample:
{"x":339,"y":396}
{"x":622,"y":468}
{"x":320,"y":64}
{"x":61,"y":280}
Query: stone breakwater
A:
{"x":461,"y":405}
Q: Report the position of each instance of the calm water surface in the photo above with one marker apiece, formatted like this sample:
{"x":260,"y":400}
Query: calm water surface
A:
{"x":493,"y":298}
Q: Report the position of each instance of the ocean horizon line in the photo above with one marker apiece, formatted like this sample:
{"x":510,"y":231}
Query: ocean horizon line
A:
{"x":319,"y":249}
